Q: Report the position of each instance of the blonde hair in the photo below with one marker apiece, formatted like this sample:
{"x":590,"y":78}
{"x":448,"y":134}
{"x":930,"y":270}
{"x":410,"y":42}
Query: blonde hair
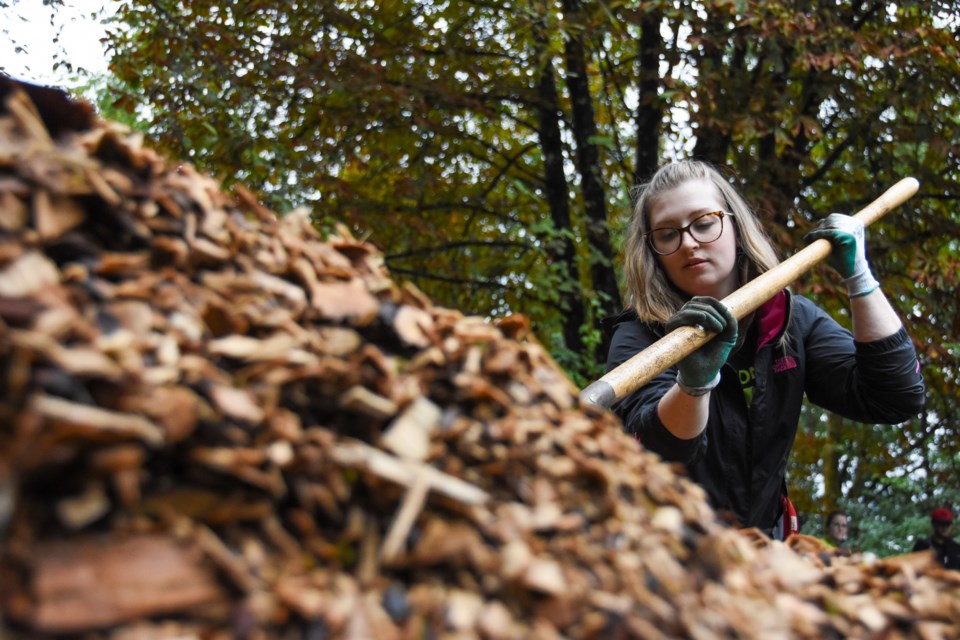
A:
{"x":649,"y":290}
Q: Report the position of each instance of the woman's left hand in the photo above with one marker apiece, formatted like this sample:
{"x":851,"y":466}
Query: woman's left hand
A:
{"x":849,"y":255}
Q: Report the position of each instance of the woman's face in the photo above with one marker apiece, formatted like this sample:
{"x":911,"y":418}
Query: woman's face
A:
{"x":697,"y":269}
{"x":838,"y":528}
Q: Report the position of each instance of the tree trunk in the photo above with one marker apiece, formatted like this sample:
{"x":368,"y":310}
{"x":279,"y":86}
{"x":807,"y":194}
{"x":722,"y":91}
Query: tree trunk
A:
{"x":832,"y":474}
{"x":713,"y":141}
{"x":649,"y":117}
{"x":560,"y":247}
{"x":602,"y":274}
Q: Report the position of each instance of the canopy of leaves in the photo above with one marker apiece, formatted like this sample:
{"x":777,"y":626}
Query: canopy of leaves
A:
{"x":482,"y":144}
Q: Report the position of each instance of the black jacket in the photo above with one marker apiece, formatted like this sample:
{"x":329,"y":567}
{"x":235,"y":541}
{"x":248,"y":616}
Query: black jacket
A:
{"x":947,"y":552}
{"x":740,"y":459}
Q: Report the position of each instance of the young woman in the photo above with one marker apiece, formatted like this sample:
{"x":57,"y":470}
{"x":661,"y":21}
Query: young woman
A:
{"x":838,"y":523}
{"x":729,"y":411}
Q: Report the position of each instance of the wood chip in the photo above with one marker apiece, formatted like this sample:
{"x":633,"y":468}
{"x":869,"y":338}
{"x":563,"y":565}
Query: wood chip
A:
{"x":80,"y":419}
{"x":409,"y":435}
{"x":405,"y":472}
{"x":28,"y":275}
{"x":361,"y":400}
{"x":88,"y":583}
{"x":55,"y":214}
{"x":236,"y":403}
{"x":77,"y":512}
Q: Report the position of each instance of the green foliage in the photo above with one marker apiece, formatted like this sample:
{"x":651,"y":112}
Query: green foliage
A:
{"x":101,"y":90}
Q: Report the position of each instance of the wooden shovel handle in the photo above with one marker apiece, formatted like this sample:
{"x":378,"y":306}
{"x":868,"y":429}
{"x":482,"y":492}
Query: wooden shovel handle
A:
{"x":678,"y":344}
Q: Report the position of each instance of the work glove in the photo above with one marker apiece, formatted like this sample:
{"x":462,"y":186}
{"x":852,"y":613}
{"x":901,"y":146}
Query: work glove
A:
{"x":849,"y":256}
{"x":700,"y":371}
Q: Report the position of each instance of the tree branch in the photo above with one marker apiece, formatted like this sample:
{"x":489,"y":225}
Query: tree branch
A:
{"x":453,"y":246}
{"x":487,"y":284}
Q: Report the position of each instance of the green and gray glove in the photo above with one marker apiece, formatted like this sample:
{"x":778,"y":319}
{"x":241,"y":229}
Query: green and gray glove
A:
{"x":849,"y":256}
{"x":699,"y":372}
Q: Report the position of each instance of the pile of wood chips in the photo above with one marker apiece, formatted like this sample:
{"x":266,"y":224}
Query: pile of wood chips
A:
{"x":215,"y":423}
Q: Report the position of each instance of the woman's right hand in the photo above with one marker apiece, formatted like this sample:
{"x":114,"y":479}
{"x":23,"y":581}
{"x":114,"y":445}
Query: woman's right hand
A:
{"x":700,"y":368}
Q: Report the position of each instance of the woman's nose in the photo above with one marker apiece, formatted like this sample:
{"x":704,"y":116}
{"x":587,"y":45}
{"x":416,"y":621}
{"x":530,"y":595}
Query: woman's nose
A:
{"x":687,"y":233}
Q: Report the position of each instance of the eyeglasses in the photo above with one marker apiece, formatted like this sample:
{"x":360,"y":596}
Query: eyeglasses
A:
{"x":704,"y":229}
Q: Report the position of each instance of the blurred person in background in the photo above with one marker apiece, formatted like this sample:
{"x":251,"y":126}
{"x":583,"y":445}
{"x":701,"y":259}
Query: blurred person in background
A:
{"x":838,"y":523}
{"x":945,"y":549}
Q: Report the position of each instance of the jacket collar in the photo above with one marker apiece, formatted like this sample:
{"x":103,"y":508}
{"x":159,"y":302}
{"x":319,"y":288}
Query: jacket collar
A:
{"x":771,"y":318}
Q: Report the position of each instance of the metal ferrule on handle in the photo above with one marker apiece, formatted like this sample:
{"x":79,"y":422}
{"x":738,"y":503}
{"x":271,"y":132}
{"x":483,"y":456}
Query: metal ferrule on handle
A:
{"x":678,"y":344}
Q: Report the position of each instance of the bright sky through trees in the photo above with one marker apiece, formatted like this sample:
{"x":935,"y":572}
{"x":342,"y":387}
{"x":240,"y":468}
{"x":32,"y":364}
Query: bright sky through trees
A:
{"x":35,"y":37}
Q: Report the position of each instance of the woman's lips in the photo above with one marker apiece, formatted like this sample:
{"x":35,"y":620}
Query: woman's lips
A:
{"x":693,"y":264}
